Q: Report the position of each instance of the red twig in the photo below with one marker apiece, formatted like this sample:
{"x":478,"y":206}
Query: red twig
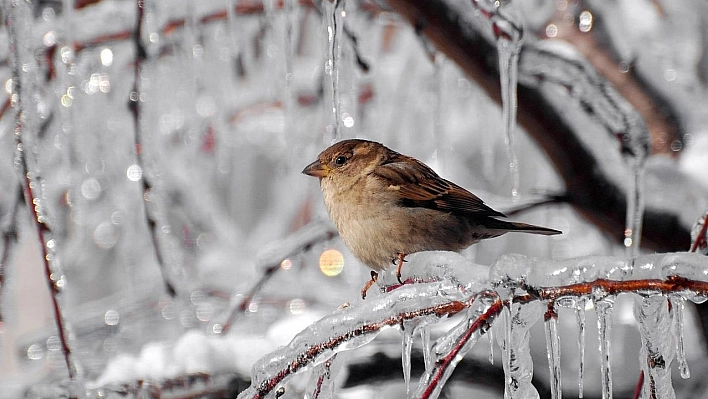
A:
{"x":611,"y":287}
{"x":701,"y":238}
{"x":640,"y":383}
{"x":30,"y":183}
{"x":315,"y":350}
{"x":442,"y":365}
{"x":324,"y":375}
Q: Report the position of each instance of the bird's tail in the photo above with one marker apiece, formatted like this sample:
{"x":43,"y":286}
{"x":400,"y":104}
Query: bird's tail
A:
{"x":520,"y":227}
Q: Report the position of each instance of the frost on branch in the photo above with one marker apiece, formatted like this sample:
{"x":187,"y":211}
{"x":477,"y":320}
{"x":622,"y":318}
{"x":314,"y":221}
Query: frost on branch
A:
{"x":516,"y":287}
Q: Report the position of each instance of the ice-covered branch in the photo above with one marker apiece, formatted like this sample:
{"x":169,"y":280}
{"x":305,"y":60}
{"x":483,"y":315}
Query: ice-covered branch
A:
{"x":526,"y":283}
{"x":28,"y":128}
{"x":574,"y":121}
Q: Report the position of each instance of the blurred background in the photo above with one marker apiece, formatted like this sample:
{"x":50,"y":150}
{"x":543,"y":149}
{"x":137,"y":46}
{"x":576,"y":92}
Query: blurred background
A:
{"x":165,"y":163}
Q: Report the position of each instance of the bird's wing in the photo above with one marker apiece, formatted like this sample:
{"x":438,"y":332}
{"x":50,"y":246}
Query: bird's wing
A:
{"x":420,"y":186}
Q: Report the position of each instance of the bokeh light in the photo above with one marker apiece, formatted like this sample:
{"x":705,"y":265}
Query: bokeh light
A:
{"x":331,"y":262}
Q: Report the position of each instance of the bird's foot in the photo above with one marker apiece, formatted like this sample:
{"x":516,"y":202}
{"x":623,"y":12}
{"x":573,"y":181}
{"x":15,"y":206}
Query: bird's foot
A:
{"x":400,"y":259}
{"x":374,"y":278}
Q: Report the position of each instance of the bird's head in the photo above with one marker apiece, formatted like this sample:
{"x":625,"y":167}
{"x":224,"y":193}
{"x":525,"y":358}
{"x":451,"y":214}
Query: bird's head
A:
{"x":348,"y":160}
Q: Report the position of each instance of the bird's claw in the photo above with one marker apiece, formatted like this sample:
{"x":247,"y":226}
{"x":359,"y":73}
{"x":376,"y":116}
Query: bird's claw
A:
{"x":374,"y":278}
{"x":401,"y":258}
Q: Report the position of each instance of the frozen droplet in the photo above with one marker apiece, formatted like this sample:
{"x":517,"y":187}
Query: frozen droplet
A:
{"x":206,"y":106}
{"x":53,"y":343}
{"x":134,"y":172}
{"x":585,"y":21}
{"x":205,"y":311}
{"x":105,"y":235}
{"x":551,"y":30}
{"x":35,"y":352}
{"x":49,"y":39}
{"x":106,"y":57}
{"x":111,"y":317}
{"x":297,"y":306}
{"x":90,"y":188}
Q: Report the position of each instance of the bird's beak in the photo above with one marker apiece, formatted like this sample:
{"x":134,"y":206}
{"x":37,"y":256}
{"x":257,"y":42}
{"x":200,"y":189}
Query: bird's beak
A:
{"x":316,"y":169}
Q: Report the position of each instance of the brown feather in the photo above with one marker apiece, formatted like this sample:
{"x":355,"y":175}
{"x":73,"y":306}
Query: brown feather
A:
{"x":420,"y":186}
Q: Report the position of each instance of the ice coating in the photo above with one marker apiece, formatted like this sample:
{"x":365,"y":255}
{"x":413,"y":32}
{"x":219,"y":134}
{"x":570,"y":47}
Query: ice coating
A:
{"x":350,"y":328}
{"x":558,"y":62}
{"x":553,"y":273}
{"x":657,"y":350}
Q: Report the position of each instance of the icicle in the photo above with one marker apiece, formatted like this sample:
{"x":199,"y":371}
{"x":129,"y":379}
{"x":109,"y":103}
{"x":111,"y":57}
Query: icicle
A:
{"x":406,"y":347}
{"x":635,"y":209}
{"x":677,"y":318}
{"x":603,"y":308}
{"x":580,"y":315}
{"x":290,"y":9}
{"x":508,"y":72}
{"x":425,"y":338}
{"x":491,"y":346}
{"x":514,"y":342}
{"x":508,"y":29}
{"x":553,"y":350}
{"x":657,"y":350}
{"x":334,"y":13}
{"x":323,"y":379}
{"x":506,"y":351}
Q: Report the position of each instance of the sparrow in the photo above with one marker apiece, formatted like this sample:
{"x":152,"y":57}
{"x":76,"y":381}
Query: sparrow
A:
{"x":387,"y":205}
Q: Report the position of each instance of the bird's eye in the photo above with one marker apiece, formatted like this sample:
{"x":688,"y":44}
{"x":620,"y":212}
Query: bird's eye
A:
{"x":340,"y":160}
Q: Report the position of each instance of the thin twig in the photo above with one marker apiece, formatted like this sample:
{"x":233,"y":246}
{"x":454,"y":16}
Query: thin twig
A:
{"x":135,"y":107}
{"x":701,"y":238}
{"x":441,"y":366}
{"x":310,"y":237}
{"x":31,"y":183}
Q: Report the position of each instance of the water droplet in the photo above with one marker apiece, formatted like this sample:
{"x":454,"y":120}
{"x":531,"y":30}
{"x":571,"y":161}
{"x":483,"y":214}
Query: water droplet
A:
{"x":53,"y":343}
{"x":35,"y":352}
{"x":297,"y":306}
{"x":134,"y":172}
{"x":106,"y":57}
{"x":105,"y":235}
{"x":585,"y":21}
{"x":551,"y":30}
{"x":90,"y":188}
{"x":111,"y":317}
{"x":204,"y":311}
